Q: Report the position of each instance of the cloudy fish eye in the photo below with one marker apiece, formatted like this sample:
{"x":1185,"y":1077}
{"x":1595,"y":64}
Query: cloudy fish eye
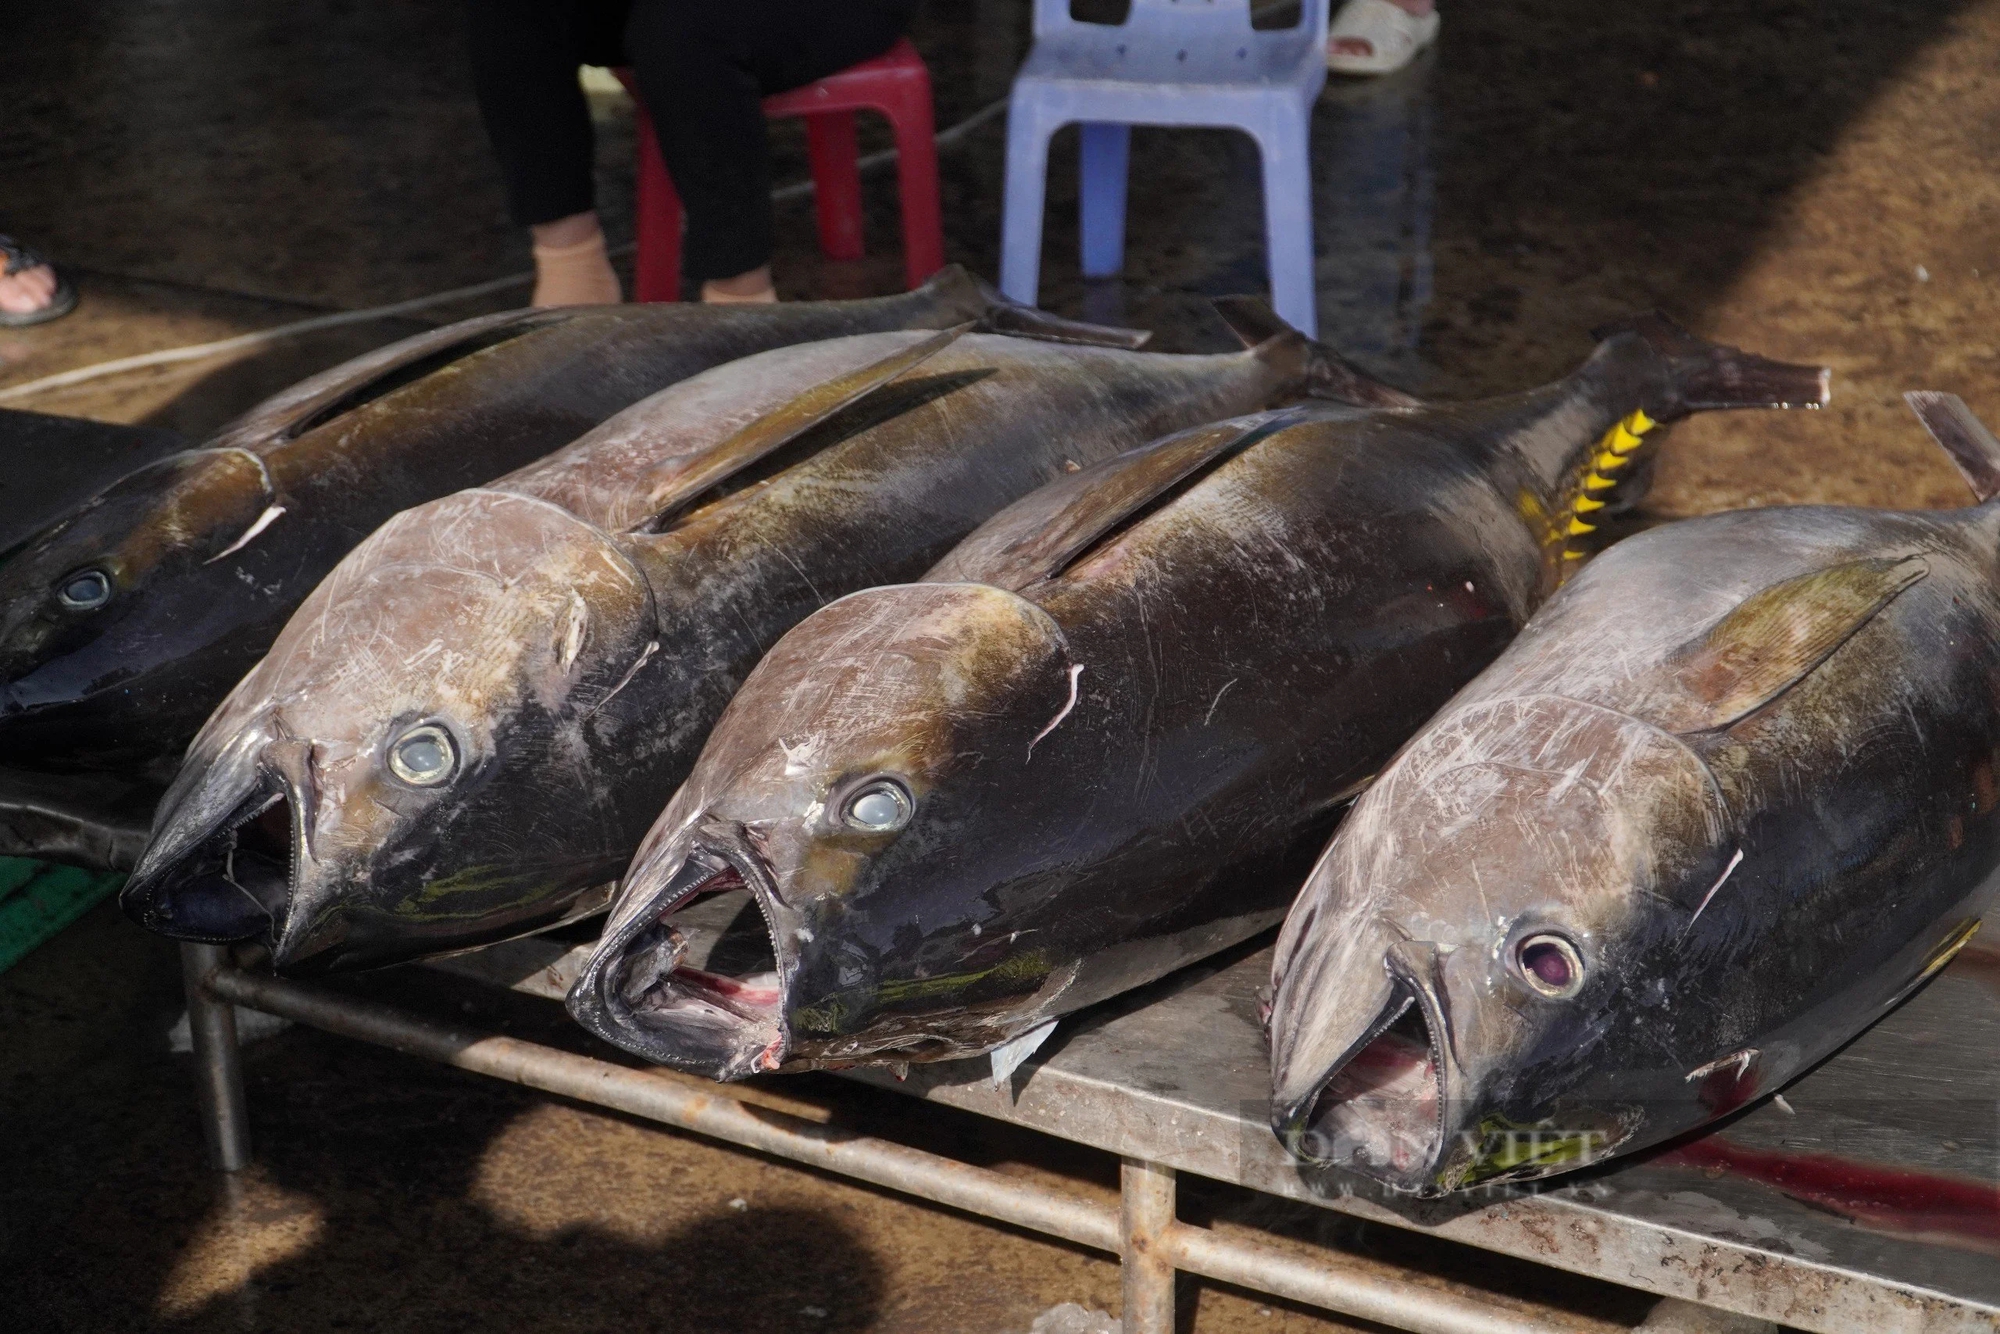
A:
{"x":86,"y":590}
{"x":879,"y":807}
{"x":423,"y":756}
{"x":1551,"y":965}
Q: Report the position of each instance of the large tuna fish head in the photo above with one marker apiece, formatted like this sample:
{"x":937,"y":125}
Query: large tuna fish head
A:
{"x":86,"y":604}
{"x":1487,"y":977}
{"x":432,"y":705}
{"x":846,"y":787}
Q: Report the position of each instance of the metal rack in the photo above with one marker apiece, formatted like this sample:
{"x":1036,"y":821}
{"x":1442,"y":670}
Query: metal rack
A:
{"x":1173,"y":1081}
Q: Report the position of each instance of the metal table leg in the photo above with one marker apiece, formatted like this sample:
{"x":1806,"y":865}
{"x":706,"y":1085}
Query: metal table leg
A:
{"x":1143,"y":1231}
{"x":1147,"y":1216}
{"x":225,"y":1121}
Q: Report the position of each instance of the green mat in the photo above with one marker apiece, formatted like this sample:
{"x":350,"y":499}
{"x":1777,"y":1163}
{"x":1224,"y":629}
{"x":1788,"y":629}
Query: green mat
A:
{"x":38,"y":899}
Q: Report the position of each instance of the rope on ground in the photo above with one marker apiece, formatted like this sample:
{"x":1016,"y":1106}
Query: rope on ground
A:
{"x":243,"y":342}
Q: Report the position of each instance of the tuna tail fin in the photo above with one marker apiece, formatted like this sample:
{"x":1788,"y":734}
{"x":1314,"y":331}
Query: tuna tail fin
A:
{"x":1707,"y":375}
{"x":1964,"y":437}
{"x":1327,"y":374}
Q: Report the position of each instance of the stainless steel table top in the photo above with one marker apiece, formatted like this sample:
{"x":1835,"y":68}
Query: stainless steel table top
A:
{"x":1872,"y":1203}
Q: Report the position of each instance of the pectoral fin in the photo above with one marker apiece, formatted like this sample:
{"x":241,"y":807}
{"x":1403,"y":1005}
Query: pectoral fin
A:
{"x":1964,"y":437}
{"x":1031,"y":322}
{"x":956,"y":291}
{"x":1774,"y":639}
{"x":782,"y":425}
{"x":1040,"y":536}
{"x":319,"y":399}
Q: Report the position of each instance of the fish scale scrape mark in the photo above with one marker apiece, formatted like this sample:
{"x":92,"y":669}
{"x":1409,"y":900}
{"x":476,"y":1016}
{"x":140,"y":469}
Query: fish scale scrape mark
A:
{"x":270,"y":516}
{"x":1727,"y":871}
{"x":1075,"y":672}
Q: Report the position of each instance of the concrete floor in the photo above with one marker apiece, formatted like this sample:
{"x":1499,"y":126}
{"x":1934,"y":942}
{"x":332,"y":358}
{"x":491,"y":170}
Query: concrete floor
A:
{"x":1812,"y":180}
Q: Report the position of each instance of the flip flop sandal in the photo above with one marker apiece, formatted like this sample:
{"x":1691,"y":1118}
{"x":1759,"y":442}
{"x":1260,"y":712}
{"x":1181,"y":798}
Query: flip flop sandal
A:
{"x":1393,"y":34}
{"x":61,"y":301}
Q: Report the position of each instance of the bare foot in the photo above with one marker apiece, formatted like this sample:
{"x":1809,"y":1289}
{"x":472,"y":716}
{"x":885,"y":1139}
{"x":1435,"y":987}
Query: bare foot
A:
{"x":27,"y":291}
{"x":571,"y":266}
{"x":1362,"y":49}
{"x":752,"y":288}
{"x":31,"y":291}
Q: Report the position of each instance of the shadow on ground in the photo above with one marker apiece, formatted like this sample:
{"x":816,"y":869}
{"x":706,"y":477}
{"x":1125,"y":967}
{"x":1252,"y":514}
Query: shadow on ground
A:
{"x":364,"y":1210}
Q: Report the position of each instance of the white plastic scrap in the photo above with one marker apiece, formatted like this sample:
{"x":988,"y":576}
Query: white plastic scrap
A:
{"x":1070,"y":1318}
{"x":1008,"y":1056}
{"x":251,"y":1026}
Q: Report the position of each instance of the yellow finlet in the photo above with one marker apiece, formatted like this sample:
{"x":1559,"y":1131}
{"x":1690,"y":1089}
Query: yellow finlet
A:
{"x":1614,"y":451}
{"x":1948,"y":951}
{"x":1624,"y":437}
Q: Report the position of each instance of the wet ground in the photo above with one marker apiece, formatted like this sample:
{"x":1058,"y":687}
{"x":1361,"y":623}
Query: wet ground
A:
{"x":1818,"y":181}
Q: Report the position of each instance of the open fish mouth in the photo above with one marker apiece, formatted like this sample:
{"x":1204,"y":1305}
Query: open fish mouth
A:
{"x":235,"y":884}
{"x":1380,"y":1110}
{"x":695,"y":980}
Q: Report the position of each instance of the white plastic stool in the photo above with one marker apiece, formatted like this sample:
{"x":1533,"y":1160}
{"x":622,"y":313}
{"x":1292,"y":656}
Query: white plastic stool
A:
{"x":1172,"y":62}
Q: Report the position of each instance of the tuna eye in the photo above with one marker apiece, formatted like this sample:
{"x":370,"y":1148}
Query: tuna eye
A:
{"x":423,"y":756}
{"x":879,"y":808}
{"x":86,"y":590}
{"x":1551,"y":965}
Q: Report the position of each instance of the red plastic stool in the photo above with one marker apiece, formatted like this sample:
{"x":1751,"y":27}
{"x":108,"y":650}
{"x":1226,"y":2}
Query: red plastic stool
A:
{"x":897,"y":84}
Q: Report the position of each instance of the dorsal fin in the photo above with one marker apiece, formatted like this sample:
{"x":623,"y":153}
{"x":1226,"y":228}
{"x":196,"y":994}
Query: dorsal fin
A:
{"x":1322,"y":372}
{"x":1038,"y":537}
{"x":780,"y":426}
{"x":1251,"y":319}
{"x":1771,"y":641}
{"x":1964,"y":437}
{"x":332,"y":393}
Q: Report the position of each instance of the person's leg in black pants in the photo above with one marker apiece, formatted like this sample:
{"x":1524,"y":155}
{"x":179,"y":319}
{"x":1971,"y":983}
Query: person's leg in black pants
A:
{"x":525,"y":55}
{"x":704,"y":67}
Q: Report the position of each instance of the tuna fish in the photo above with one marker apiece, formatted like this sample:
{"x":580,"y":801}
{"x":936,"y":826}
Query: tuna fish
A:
{"x":124,"y":623}
{"x":1107,"y":734}
{"x":1728,"y":799}
{"x":476,"y":717}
